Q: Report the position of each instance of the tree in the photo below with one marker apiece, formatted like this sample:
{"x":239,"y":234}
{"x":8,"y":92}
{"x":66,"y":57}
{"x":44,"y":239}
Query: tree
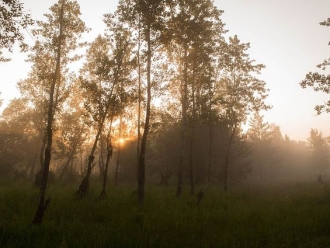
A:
{"x":261,"y":139}
{"x":148,"y":16}
{"x":242,"y":92}
{"x":18,"y":139}
{"x":71,"y":137}
{"x":12,"y":20}
{"x":107,"y":68}
{"x":318,"y":81}
{"x":319,"y":150}
{"x":191,"y":35}
{"x":60,"y":33}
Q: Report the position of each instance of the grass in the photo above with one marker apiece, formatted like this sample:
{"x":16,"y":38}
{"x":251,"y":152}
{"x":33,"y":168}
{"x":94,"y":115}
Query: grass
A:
{"x":292,"y":215}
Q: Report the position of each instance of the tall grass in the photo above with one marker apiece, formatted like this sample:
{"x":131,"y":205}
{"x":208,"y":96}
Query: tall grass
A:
{"x":286,"y":216}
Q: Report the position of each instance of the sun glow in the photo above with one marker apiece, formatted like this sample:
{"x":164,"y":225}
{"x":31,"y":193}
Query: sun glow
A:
{"x":121,"y":141}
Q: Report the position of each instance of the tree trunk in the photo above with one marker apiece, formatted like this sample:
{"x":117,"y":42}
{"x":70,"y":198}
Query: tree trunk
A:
{"x":101,"y":159}
{"x":226,"y":164}
{"x":191,"y":164}
{"x":117,"y":166}
{"x":33,"y":165}
{"x":184,"y":92}
{"x":42,"y":206}
{"x":84,"y":185}
{"x":38,"y":176}
{"x":66,"y":165}
{"x":192,"y":135}
{"x":141,"y":168}
{"x":139,"y":103}
{"x":209,"y":168}
{"x":105,"y":174}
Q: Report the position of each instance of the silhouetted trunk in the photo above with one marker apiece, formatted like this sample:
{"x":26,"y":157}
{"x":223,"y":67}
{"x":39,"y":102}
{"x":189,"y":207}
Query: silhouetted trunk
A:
{"x":184,"y":91}
{"x":117,"y":166}
{"x":38,"y":176}
{"x":192,"y":135}
{"x":119,"y":144}
{"x":141,"y":168}
{"x":209,"y":168}
{"x":101,"y":159}
{"x":33,"y":166}
{"x":71,"y":155}
{"x":105,"y":174}
{"x":164,"y":178}
{"x":42,"y":206}
{"x":139,"y":103}
{"x":67,"y":164}
{"x":191,"y":164}
{"x":226,"y":164}
{"x":84,"y":185}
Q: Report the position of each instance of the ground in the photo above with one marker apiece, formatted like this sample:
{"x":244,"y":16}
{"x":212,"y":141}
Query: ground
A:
{"x":287,"y":215}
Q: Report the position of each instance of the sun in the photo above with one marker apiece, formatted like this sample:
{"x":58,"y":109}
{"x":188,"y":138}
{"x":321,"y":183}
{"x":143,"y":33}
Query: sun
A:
{"x":121,"y":141}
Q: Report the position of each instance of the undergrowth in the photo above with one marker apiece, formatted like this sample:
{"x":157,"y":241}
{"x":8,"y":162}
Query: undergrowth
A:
{"x":295,"y":215}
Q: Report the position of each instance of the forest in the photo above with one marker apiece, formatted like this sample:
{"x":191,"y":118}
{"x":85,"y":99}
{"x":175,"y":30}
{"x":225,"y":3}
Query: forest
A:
{"x":158,"y":139}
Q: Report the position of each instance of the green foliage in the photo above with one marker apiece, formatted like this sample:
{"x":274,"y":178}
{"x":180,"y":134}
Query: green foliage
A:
{"x":319,"y":150}
{"x":265,"y":152}
{"x":294,"y":215}
{"x":242,"y":91}
{"x":319,"y":81}
{"x":13,"y":19}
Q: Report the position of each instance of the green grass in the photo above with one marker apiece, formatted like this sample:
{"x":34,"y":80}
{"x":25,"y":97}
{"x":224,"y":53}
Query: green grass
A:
{"x":292,"y":215}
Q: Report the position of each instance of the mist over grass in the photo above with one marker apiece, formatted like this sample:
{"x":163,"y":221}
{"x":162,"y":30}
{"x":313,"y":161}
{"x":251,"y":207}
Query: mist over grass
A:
{"x":288,"y":215}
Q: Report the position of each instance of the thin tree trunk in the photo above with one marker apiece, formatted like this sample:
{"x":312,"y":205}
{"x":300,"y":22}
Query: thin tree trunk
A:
{"x":84,"y":185}
{"x":191,"y":164}
{"x":105,"y":174}
{"x":71,"y":155}
{"x":117,"y":165}
{"x":120,"y":135}
{"x":141,"y":169}
{"x":192,"y":136}
{"x":226,"y":165}
{"x":33,"y":165}
{"x":42,"y":206}
{"x":184,"y":91}
{"x":101,"y":160}
{"x":139,"y":103}
{"x":38,"y":176}
{"x":209,"y":169}
{"x":66,"y":165}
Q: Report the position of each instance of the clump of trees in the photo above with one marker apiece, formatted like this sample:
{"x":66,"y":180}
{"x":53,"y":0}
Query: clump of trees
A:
{"x":162,"y":94}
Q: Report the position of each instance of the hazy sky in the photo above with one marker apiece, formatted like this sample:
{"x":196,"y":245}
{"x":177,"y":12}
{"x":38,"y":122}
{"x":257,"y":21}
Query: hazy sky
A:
{"x":285,"y":35}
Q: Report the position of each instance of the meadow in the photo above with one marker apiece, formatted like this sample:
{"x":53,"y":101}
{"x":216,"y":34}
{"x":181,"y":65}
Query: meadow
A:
{"x":287,"y":215}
